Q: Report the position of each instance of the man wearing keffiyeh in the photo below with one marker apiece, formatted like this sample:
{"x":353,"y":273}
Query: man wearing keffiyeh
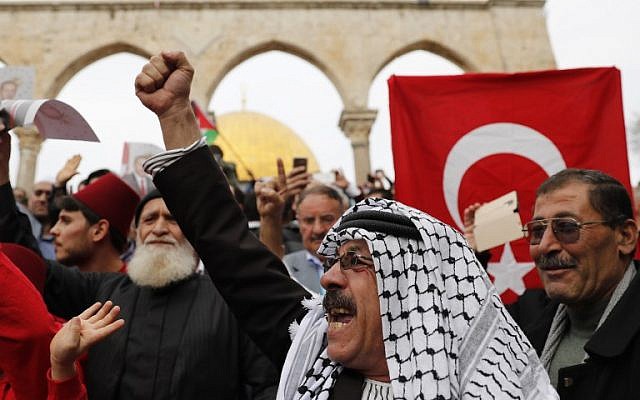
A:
{"x":409,"y":311}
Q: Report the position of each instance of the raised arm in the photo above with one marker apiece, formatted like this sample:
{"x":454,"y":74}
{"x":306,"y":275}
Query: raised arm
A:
{"x":78,"y":335}
{"x":252,"y":280}
{"x":163,"y":87}
{"x":14,"y":225}
{"x":71,"y":342}
{"x":67,"y":291}
{"x":270,"y":205}
{"x":68,"y":171}
{"x":272,"y":198}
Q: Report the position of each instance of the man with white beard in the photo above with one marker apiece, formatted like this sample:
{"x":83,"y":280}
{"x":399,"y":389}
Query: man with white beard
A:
{"x":179,"y":340}
{"x":163,"y":255}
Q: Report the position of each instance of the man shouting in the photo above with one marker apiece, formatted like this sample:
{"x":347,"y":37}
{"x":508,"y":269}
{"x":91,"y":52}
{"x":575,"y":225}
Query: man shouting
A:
{"x":410,"y":313}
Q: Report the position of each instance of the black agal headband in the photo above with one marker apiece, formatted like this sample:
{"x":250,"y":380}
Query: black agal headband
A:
{"x":379,"y":221}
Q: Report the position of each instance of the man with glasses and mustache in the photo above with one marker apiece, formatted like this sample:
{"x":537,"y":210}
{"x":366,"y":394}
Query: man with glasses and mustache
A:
{"x":583,"y":238}
{"x":408,"y":311}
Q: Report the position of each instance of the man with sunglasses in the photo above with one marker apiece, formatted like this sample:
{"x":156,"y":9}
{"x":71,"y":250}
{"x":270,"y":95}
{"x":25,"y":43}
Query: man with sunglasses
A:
{"x":408,"y":311}
{"x":583,"y":238}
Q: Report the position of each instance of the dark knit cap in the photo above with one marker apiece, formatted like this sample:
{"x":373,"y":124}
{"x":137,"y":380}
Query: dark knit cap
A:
{"x":154,"y":194}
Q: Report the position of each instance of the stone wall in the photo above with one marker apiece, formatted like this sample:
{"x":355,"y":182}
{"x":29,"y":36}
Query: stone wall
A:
{"x":350,"y":41}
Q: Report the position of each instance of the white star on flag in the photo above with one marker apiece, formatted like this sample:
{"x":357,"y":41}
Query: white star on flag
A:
{"x":508,"y":273}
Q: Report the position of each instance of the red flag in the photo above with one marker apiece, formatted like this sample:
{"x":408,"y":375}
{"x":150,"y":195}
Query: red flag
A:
{"x":471,"y":138}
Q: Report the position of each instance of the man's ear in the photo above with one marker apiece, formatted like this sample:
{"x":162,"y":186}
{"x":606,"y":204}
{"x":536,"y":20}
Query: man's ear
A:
{"x":627,"y":237}
{"x":100,"y":230}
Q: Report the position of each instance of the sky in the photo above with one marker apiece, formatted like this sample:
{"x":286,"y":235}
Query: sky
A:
{"x":583,"y":33}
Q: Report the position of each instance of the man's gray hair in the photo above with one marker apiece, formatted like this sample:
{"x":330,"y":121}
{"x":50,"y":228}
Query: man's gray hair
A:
{"x":323,"y":190}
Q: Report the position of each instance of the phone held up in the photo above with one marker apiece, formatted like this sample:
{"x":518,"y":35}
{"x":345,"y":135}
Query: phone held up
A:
{"x":300,"y":162}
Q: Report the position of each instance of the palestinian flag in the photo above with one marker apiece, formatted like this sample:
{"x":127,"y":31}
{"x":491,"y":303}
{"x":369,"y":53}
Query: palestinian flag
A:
{"x":207,"y":127}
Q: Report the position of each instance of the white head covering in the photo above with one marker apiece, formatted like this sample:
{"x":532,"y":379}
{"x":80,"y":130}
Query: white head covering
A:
{"x":446,"y":333}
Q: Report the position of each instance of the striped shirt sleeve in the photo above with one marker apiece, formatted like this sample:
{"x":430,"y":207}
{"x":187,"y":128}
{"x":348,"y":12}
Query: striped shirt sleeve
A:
{"x":160,"y":161}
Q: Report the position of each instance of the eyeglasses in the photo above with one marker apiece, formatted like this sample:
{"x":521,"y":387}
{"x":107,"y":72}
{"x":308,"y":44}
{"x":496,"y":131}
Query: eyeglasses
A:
{"x":566,"y":229}
{"x":349,"y":260}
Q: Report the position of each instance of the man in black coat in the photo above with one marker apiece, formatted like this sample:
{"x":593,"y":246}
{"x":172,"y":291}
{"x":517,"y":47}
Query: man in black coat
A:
{"x":180,"y":340}
{"x":582,"y":238}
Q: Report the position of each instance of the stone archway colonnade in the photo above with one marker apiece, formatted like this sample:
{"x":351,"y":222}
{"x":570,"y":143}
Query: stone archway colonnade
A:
{"x":349,"y":41}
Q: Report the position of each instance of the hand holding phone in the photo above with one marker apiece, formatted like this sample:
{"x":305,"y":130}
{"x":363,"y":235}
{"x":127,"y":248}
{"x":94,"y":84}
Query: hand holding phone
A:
{"x":300,"y":162}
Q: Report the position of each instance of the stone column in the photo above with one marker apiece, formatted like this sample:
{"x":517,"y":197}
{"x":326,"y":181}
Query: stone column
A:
{"x":30,"y":143}
{"x":356,"y":125}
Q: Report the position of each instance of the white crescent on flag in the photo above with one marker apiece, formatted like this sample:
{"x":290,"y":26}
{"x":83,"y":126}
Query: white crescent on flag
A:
{"x":487,"y":140}
{"x":496,"y":138}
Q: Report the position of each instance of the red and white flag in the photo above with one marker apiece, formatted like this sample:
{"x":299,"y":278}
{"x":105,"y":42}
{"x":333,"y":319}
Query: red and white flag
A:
{"x":471,"y":138}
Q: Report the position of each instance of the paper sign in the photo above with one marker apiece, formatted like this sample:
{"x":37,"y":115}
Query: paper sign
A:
{"x":497,"y":222}
{"x":54,"y":119}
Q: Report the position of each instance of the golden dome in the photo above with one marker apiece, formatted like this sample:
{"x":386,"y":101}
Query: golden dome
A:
{"x":259,"y":140}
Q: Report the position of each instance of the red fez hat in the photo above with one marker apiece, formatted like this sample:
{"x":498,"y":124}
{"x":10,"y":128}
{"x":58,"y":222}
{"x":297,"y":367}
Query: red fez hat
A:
{"x":31,"y":264}
{"x":112,"y":199}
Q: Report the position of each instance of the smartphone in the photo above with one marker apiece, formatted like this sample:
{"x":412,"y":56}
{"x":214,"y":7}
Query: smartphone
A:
{"x":300,"y":162}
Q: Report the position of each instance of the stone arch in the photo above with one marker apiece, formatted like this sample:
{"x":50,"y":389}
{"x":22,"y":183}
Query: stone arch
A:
{"x":349,"y":41}
{"x":277,"y":46}
{"x":431,"y":47}
{"x":89,"y":57}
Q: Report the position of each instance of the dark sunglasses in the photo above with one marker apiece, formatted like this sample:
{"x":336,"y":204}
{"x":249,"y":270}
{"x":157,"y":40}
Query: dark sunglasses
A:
{"x":349,"y":260}
{"x":566,"y":229}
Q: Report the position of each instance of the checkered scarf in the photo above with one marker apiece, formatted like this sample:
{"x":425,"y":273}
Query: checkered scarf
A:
{"x":446,"y":333}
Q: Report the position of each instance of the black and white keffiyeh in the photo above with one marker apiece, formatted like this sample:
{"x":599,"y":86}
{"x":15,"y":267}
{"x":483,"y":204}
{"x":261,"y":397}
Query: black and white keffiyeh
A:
{"x":446,"y":333}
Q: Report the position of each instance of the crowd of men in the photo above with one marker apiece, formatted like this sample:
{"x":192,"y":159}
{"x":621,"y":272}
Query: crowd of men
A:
{"x":343,"y":293}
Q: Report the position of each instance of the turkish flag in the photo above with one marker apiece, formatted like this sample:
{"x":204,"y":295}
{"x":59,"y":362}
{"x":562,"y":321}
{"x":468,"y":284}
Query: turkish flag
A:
{"x":472,"y":138}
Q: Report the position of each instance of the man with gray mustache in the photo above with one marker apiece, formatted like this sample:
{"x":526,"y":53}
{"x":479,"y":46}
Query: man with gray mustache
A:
{"x":583,"y":238}
{"x":409,"y":312}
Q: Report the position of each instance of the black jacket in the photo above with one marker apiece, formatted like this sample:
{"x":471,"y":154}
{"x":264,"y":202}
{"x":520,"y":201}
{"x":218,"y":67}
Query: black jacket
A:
{"x":253,"y":281}
{"x":612,"y":370}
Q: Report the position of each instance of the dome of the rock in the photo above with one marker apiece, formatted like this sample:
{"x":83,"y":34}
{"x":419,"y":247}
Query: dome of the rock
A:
{"x":254,"y":141}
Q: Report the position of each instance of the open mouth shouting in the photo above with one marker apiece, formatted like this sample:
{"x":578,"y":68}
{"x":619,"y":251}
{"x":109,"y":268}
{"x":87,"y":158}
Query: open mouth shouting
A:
{"x":339,"y":317}
{"x":340,"y":309}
